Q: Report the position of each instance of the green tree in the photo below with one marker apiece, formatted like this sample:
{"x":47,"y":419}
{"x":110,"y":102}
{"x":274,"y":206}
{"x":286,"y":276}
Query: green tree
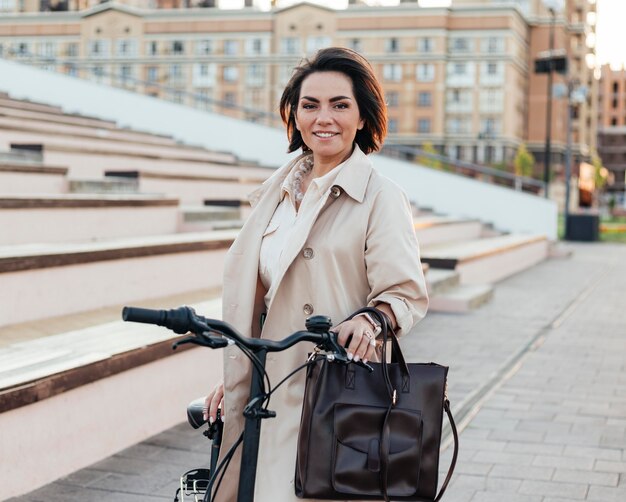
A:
{"x":524,"y":162}
{"x":427,"y":160}
{"x":600,"y":173}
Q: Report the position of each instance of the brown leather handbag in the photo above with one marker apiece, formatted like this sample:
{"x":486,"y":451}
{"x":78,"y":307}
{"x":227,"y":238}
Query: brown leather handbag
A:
{"x":373,"y":436}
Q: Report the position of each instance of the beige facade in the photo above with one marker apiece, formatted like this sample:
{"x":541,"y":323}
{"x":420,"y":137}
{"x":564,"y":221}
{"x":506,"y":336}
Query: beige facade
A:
{"x":460,"y":78}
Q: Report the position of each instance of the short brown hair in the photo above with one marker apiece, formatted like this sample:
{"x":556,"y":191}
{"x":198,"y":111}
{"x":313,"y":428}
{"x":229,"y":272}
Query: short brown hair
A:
{"x":365,"y":86}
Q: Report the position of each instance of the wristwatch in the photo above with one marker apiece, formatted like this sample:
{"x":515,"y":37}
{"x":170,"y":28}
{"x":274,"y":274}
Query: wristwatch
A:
{"x":375,"y":324}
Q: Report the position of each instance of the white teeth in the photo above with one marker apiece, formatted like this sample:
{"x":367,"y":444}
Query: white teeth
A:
{"x":324,"y":134}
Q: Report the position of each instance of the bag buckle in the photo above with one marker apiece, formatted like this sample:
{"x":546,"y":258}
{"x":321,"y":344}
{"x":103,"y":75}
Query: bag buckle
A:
{"x":394,"y":398}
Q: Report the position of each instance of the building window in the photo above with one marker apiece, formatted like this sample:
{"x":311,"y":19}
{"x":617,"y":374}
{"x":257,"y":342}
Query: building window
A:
{"x":255,"y":75}
{"x":392,"y":45}
{"x":614,"y":103}
{"x":204,"y":47}
{"x":355,"y":44}
{"x":152,"y":74}
{"x":493,"y":45}
{"x":314,"y":44}
{"x":392,"y":126}
{"x":425,"y":44}
{"x":423,"y":126}
{"x":290,"y":45}
{"x":99,"y":48}
{"x":492,"y":68}
{"x":392,"y":72}
{"x":392,"y":99}
{"x":7,"y":5}
{"x":126,"y":74}
{"x":460,"y":44}
{"x":152,"y":48}
{"x":613,"y":121}
{"x":425,"y":72}
{"x":230,"y":99}
{"x":48,"y":49}
{"x":424,"y":98}
{"x":126,"y":48}
{"x":255,"y":46}
{"x":231,"y":73}
{"x":178,"y":47}
{"x":459,"y":68}
{"x":231,"y":47}
{"x":176,"y":71}
{"x":71,"y":50}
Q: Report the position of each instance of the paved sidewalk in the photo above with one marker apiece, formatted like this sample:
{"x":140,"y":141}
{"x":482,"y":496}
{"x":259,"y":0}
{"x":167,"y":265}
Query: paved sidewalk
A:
{"x":537,"y":383}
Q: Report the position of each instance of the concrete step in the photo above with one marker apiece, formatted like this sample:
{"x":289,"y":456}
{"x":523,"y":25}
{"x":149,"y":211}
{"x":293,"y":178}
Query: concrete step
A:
{"x":432,"y":229}
{"x":487,"y":260}
{"x":84,"y":217}
{"x":191,"y":189}
{"x":27,"y":361}
{"x":440,"y":280}
{"x":32,"y":178}
{"x":461,"y":299}
{"x":202,"y":218}
{"x":98,"y":274}
{"x":110,"y":184}
{"x":111,"y":378}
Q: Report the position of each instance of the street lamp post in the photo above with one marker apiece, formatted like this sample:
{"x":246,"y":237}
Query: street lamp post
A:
{"x":548,"y":153}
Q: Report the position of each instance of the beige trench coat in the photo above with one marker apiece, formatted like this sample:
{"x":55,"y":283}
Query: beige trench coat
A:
{"x":361,"y":250}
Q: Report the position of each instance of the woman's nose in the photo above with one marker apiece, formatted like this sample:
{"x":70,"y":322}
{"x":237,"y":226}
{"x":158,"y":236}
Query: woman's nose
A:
{"x":324,"y":116}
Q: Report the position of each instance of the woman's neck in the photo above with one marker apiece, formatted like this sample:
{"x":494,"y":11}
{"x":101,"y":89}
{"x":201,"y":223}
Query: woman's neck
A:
{"x":322,"y":166}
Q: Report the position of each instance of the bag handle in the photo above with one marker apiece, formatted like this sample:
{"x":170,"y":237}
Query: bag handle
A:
{"x":397,"y":352}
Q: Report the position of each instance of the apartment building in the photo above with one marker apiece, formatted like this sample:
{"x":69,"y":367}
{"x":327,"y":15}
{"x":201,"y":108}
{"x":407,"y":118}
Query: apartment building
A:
{"x":460,"y":78}
{"x":612,"y":128}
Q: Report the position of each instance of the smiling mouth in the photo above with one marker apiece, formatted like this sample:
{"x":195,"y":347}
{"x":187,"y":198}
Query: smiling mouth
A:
{"x":325,"y":134}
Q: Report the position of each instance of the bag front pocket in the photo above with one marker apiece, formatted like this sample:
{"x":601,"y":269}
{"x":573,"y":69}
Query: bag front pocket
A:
{"x":357,"y":462}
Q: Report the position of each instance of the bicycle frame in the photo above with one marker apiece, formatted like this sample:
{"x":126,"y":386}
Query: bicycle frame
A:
{"x":184,"y":320}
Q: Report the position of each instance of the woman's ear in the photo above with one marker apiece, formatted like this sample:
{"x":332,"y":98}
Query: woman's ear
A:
{"x":361,"y":124}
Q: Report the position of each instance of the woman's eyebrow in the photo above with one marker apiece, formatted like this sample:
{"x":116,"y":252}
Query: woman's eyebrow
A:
{"x":332,"y":100}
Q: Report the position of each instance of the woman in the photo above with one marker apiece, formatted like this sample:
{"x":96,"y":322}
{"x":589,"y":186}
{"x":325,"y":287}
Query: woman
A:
{"x":327,"y":235}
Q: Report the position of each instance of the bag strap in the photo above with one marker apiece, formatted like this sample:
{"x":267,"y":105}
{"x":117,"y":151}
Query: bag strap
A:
{"x":455,"y":453}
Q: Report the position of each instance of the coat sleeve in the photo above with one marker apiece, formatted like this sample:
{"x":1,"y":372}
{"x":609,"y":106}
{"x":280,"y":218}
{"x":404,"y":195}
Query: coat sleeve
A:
{"x":392,"y":258}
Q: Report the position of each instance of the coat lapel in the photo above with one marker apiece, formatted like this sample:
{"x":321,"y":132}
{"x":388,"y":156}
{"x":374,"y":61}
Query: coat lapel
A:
{"x":352,"y":179}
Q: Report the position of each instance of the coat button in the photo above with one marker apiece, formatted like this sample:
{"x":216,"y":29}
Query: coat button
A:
{"x":308,"y":253}
{"x":335,"y":191}
{"x":307,"y":309}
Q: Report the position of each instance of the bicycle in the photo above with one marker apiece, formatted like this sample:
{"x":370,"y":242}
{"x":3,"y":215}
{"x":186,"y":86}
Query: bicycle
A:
{"x":217,"y":334}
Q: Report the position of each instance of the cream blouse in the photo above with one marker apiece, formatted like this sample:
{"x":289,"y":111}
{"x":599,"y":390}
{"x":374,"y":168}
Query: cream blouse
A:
{"x":285,"y":221}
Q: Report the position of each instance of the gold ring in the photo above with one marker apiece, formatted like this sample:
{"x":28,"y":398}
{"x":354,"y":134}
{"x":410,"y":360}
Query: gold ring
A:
{"x":369,"y":335}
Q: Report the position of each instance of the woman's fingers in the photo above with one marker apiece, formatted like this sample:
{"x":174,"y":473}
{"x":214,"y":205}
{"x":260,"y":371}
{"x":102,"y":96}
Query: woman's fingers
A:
{"x":361,"y":340}
{"x":212,"y":402}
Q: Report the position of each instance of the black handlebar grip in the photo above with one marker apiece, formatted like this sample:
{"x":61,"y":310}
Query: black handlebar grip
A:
{"x":147,"y":316}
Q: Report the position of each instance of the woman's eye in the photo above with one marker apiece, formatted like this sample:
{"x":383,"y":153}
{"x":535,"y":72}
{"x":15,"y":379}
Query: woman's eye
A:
{"x":308,"y":106}
{"x":341,"y":106}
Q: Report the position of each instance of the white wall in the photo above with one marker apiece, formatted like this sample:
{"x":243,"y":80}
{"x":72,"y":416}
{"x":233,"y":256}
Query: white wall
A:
{"x":453,"y":195}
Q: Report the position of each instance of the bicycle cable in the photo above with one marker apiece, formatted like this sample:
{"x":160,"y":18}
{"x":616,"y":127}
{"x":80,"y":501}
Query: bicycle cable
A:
{"x":222,"y":466}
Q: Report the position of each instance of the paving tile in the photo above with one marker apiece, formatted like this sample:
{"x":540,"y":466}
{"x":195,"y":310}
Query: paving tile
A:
{"x":522,"y":472}
{"x":504,"y":496}
{"x":590,"y":478}
{"x":608,"y":466}
{"x":606,"y":494}
{"x":503,"y":458}
{"x":563,"y":462}
{"x":571,"y":491}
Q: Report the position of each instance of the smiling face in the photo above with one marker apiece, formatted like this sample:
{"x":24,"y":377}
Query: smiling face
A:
{"x":328,"y":117}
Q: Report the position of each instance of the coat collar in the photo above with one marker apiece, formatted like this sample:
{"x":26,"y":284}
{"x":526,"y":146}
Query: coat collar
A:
{"x":352,"y":178}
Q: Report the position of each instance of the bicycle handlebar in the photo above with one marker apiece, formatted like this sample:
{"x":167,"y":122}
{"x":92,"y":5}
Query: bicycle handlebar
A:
{"x":184,"y":319}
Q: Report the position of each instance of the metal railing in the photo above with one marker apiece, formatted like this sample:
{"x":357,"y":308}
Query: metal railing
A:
{"x":463,"y":168}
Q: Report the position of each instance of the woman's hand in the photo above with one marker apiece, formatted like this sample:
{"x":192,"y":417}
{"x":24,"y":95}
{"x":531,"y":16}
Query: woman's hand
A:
{"x":363,"y":344}
{"x":213,"y":401}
